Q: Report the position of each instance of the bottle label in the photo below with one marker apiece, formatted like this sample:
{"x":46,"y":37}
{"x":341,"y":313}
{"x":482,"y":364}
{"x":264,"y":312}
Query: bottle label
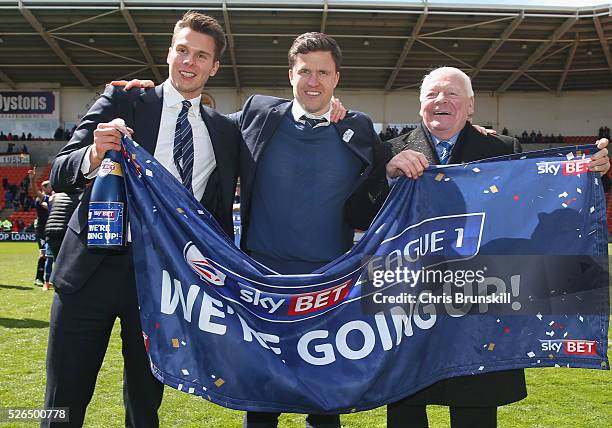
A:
{"x":108,"y":166}
{"x":105,"y":224}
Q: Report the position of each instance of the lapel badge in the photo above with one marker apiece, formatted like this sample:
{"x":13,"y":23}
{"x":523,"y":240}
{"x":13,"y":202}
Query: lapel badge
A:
{"x":348,"y":134}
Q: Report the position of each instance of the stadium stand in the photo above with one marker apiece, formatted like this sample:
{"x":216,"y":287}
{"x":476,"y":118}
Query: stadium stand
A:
{"x":15,"y":176}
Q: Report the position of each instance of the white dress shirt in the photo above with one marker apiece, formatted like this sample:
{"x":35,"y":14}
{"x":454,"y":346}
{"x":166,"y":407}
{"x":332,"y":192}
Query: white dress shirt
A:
{"x":297,"y":111}
{"x":203,"y":155}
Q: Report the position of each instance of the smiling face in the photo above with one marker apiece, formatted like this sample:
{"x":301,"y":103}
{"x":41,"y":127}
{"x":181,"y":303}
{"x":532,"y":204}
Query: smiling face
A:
{"x":192,"y":61}
{"x":445,"y":103}
{"x":314,"y":78}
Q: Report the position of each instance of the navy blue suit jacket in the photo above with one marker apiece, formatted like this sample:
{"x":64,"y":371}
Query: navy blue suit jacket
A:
{"x":259,"y":120}
{"x":141,"y":110}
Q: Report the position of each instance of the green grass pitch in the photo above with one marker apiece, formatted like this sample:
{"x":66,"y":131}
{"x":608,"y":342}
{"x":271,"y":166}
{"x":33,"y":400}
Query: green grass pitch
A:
{"x":557,"y":397}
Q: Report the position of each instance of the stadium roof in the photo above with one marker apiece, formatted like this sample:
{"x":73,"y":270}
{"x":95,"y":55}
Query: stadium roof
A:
{"x":550,"y":45}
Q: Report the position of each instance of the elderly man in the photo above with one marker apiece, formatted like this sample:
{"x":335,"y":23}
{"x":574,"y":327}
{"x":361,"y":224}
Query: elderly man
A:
{"x":446,"y":136}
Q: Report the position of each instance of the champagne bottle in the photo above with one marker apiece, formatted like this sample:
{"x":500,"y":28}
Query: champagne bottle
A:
{"x":107,"y":218}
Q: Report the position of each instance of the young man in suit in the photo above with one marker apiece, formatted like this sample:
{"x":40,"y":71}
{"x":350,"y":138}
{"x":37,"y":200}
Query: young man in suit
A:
{"x":446,"y":136}
{"x":93,"y":288}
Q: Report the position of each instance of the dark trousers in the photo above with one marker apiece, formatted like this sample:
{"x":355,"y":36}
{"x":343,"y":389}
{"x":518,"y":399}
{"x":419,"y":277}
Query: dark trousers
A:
{"x":270,"y":420}
{"x":80,"y":328}
{"x":404,"y":416}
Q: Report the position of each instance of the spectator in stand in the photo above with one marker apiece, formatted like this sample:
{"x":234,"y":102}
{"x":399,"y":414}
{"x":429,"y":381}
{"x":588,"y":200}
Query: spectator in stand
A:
{"x":8,"y":198}
{"x":5,"y":183}
{"x":23,"y":136}
{"x":29,"y":139}
{"x":560,"y":139}
{"x":505,"y":131}
{"x":28,"y":203}
{"x":42,"y":213}
{"x":532,"y":136}
{"x":25,"y":184}
{"x":24,"y":149}
{"x":22,"y":197}
{"x":20,"y":225}
{"x":2,"y":136}
{"x":58,"y":134}
{"x":16,"y":203}
{"x":606,"y":132}
{"x":11,"y":146}
{"x":539,"y":137}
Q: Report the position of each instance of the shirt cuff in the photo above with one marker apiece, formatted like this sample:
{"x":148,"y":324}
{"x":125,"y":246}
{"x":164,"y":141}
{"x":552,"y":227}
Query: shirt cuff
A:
{"x":86,"y":165}
{"x":392,"y":181}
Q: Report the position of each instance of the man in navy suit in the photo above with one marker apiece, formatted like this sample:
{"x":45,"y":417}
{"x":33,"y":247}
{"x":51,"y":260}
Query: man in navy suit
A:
{"x":298,"y":172}
{"x":93,"y":289}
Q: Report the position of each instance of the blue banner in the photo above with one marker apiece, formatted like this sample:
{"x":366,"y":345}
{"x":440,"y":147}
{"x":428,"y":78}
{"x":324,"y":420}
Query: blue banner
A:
{"x":470,"y":269}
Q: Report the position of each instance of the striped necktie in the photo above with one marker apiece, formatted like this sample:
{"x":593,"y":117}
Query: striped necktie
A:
{"x":444,"y":149}
{"x":313,"y":122}
{"x":183,"y":146}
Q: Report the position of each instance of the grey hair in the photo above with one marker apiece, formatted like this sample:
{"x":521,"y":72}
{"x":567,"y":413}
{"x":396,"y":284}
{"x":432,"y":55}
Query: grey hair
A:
{"x":467,"y":83}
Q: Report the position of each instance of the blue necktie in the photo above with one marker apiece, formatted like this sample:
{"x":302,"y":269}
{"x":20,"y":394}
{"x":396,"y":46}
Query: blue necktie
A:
{"x":313,"y":122}
{"x":183,"y":146}
{"x":444,"y":149}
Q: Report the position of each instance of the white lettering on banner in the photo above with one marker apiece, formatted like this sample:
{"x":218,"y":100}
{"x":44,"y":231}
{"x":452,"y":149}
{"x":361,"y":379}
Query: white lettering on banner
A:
{"x":325,"y":353}
{"x":263,"y":338}
{"x":368,"y":340}
{"x":254,"y":297}
{"x":326,"y":349}
{"x":207,"y":312}
{"x":170,"y":301}
{"x":309,"y":347}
